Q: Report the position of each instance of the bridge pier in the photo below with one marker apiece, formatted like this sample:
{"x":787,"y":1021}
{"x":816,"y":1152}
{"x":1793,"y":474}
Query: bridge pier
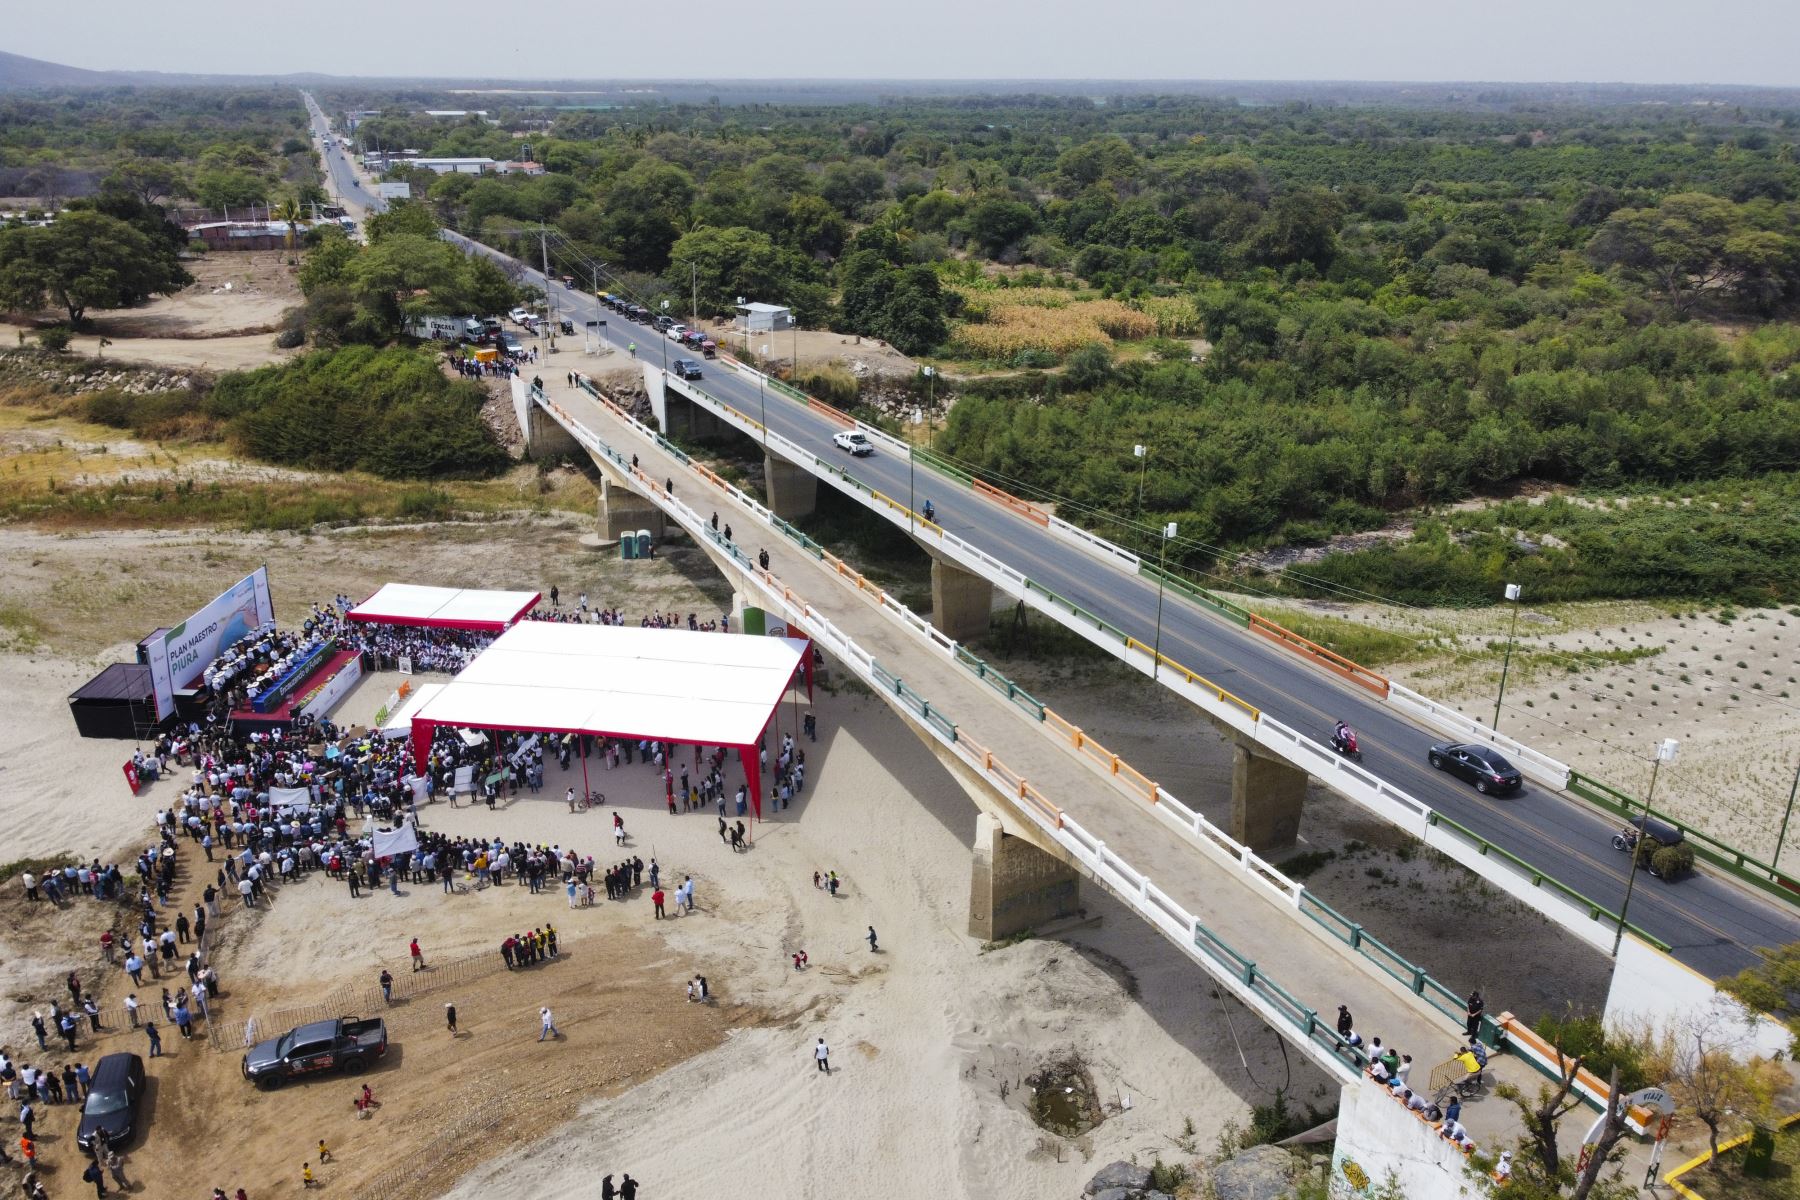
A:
{"x":793,"y":490}
{"x":623,"y":511}
{"x":1014,"y":886}
{"x":546,"y":440}
{"x":1266,"y":798}
{"x":961,"y":602}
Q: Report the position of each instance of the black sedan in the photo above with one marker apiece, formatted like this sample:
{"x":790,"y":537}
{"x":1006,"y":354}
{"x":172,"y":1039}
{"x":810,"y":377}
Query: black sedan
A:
{"x":1484,"y":768}
{"x":109,"y":1116}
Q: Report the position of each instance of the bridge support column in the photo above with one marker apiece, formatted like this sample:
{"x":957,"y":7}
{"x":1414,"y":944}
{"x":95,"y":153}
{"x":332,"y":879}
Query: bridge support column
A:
{"x":793,"y":490}
{"x":961,"y":602}
{"x":545,"y":440}
{"x":1266,"y":798}
{"x":623,"y":511}
{"x":1014,"y":886}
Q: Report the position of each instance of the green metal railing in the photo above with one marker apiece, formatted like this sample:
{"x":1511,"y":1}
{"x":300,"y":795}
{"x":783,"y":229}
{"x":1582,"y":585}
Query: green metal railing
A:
{"x":805,"y":543}
{"x":942,"y":465}
{"x":1319,"y":1032}
{"x":1596,"y":910}
{"x":1093,"y":619}
{"x":1198,"y":595}
{"x":1384,"y":956}
{"x":1727,"y":858}
{"x":1001,"y":683}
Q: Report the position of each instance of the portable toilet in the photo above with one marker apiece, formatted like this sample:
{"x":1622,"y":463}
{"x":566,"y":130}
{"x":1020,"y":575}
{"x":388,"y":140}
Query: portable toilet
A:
{"x":643,"y":544}
{"x":628,"y":545}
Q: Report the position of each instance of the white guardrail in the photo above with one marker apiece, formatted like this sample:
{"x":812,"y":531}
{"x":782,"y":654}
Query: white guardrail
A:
{"x":1347,"y":779}
{"x":1118,"y":876}
{"x":1094,"y":544}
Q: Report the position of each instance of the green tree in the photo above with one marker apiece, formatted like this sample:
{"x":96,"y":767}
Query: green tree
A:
{"x":401,"y":218}
{"x":1678,"y":248}
{"x":85,"y":260}
{"x":1299,"y":227}
{"x":642,"y":208}
{"x":725,"y":264}
{"x":997,"y":222}
{"x":150,"y":180}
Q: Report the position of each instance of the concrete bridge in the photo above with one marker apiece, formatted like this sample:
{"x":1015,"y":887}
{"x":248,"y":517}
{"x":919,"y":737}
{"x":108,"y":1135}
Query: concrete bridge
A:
{"x":1058,"y":811}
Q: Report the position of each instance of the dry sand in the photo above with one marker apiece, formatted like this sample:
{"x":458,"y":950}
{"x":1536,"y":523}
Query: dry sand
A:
{"x":933,"y":1038}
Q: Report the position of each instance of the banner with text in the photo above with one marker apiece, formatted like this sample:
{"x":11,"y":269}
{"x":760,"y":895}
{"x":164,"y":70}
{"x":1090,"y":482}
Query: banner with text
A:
{"x":182,"y":655}
{"x":322,"y":701}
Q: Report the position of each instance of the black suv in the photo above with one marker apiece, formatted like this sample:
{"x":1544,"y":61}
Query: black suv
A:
{"x":685,"y":368}
{"x":109,"y":1115}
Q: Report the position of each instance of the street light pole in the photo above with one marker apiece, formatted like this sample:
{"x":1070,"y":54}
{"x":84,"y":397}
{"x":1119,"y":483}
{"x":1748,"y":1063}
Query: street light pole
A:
{"x":1781,"y":839}
{"x":1162,"y":554}
{"x":1512,"y":593}
{"x":1143,"y":455}
{"x":1665,"y":752}
{"x":662,"y":335}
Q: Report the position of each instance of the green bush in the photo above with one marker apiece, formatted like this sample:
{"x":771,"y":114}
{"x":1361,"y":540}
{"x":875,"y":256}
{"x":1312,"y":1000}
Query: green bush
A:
{"x":391,"y":412}
{"x":56,"y":338}
{"x":1672,"y":862}
{"x":1583,"y":1035}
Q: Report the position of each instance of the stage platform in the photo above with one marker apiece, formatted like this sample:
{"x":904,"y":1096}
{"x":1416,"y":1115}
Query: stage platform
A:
{"x":249,"y":718}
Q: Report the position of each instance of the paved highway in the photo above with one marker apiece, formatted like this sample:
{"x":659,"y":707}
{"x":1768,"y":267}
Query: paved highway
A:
{"x":1713,"y":926}
{"x":343,"y":177}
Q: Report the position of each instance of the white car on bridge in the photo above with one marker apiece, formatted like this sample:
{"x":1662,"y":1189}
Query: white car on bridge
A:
{"x":853,"y":441}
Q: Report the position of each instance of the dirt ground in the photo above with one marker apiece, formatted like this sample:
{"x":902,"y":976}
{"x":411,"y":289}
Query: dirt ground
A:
{"x":224,"y":321}
{"x":816,"y":346}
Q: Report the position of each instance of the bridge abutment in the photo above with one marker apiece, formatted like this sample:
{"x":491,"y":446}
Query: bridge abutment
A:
{"x":1014,"y":886}
{"x":793,"y":490}
{"x":1266,"y":798}
{"x":546,"y":440}
{"x":623,"y":511}
{"x":961,"y":602}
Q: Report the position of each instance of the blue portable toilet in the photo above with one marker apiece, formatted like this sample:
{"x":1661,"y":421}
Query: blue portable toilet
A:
{"x":628,"y":545}
{"x":644,"y":545}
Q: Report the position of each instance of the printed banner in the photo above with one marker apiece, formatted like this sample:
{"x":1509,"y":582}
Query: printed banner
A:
{"x":323,"y":700}
{"x":131,"y":775}
{"x":182,"y":655}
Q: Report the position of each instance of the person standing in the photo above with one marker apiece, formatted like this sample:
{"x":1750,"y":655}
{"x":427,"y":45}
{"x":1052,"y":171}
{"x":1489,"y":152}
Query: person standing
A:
{"x":387,"y":986}
{"x":656,"y":898}
{"x":628,"y":1187}
{"x":873,"y":948}
{"x":1344,"y":1021}
{"x":418,"y":956}
{"x":131,"y":1009}
{"x":116,"y":1166}
{"x":155,"y":1039}
{"x":450,"y":1018}
{"x":548,"y":1022}
{"x":94,"y":1175}
{"x":822,"y":1055}
{"x":1476,"y":1007}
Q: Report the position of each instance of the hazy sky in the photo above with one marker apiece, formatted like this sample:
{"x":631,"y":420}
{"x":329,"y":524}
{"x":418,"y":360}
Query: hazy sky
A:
{"x":1643,"y":41}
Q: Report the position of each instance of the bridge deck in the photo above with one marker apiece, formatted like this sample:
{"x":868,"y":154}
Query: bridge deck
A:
{"x":1319,"y":972}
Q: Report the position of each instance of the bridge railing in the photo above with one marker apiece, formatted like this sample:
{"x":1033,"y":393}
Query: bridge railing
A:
{"x":1241,"y":977}
{"x":1585,"y":917}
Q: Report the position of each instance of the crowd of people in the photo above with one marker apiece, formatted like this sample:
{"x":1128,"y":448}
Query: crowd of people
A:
{"x":1392,"y":1070}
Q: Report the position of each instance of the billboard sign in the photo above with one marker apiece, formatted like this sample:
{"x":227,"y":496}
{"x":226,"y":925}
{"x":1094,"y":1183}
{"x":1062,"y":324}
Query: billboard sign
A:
{"x":182,"y":654}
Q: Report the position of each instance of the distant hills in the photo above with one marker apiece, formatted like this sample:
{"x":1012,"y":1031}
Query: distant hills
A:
{"x":21,"y":74}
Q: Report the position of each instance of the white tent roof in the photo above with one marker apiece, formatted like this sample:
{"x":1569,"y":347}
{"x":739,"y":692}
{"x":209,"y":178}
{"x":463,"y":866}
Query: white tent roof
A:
{"x":709,"y":688}
{"x":447,"y":608}
{"x":399,"y":722}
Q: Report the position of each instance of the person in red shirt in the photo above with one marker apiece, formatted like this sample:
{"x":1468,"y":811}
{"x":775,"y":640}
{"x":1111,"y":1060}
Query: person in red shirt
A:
{"x":656,"y":898}
{"x":418,"y":956}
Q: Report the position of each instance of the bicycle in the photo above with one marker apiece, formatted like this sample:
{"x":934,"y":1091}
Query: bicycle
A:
{"x":595,"y":799}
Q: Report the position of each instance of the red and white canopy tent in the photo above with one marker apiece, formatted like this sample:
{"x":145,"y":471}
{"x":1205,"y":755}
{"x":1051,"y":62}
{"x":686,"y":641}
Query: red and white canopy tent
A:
{"x":665,"y":685}
{"x":444,"y":608}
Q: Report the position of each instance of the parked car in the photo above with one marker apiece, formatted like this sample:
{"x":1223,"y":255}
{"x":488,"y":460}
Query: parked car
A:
{"x":510,"y":344}
{"x":686,"y":368}
{"x":322,"y":1046}
{"x":518,"y":315}
{"x":110,"y":1112}
{"x":1484,"y":768}
{"x":709,"y":348}
{"x":853,"y":441}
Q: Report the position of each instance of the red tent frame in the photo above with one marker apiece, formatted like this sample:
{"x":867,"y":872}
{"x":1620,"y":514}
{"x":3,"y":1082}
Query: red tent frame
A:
{"x":424,"y":733}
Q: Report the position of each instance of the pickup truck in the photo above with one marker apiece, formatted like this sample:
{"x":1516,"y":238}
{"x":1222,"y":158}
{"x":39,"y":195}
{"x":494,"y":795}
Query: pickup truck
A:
{"x":342,"y":1045}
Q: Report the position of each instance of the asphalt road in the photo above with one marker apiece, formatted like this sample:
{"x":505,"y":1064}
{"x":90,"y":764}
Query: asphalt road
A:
{"x":338,"y":163}
{"x":1712,"y":925}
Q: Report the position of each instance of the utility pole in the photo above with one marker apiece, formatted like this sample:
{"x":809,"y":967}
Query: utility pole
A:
{"x":694,"y":268}
{"x":1665,"y":752}
{"x":1781,"y":839}
{"x":549,"y":296}
{"x":1512,"y":594}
